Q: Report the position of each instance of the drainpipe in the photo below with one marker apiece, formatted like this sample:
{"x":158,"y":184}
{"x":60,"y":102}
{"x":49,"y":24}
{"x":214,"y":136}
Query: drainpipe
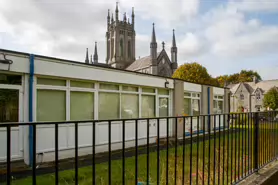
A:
{"x":31,"y":80}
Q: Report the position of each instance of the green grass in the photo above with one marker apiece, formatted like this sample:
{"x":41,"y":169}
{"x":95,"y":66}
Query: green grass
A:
{"x":226,"y":151}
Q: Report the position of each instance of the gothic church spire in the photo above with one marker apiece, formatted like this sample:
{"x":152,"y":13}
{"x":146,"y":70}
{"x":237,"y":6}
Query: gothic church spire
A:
{"x":87,"y":57}
{"x":95,"y":54}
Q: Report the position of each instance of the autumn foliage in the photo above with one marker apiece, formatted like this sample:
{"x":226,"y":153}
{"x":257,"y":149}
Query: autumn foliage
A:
{"x":196,"y":73}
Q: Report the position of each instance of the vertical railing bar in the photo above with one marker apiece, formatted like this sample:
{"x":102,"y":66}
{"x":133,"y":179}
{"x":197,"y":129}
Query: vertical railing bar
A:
{"x":228,"y":146}
{"x":34,"y":154}
{"x":273,"y":127}
{"x":256,"y":144}
{"x":204,"y":135}
{"x":232,"y":146}
{"x":262,"y":149}
{"x":56,"y":154}
{"x":248,"y":141}
{"x":191,"y":148}
{"x":270,"y":135}
{"x":183,"y":149}
{"x":252,"y":128}
{"x":176,"y":141}
{"x":224,"y":135}
{"x":136,"y":152}
{"x":148,"y":157}
{"x":158,"y":156}
{"x":209,"y":132}
{"x":93,"y":153}
{"x":109,"y":155}
{"x":275,"y":134}
{"x":238,"y":154}
{"x":242,"y":143}
{"x":167,"y":151}
{"x":198,"y":130}
{"x":219,"y":150}
{"x":214,"y":149}
{"x":236,"y":146}
{"x":76,"y":152}
{"x":123,"y":154}
{"x":8,"y":155}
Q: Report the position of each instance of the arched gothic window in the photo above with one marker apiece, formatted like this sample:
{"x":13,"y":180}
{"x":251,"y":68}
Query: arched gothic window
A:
{"x":241,"y":96}
{"x":258,"y":95}
{"x":121,"y":47}
{"x":129,"y":49}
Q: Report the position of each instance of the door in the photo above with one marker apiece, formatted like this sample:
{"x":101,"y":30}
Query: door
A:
{"x":10,"y":107}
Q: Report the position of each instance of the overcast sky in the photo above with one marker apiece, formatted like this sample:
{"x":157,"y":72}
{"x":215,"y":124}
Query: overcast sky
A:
{"x":223,"y":35}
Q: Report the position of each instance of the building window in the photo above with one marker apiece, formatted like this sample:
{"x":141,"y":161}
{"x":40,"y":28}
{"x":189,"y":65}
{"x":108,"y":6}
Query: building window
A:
{"x":108,"y":105}
{"x":148,"y":106}
{"x":196,"y":107}
{"x":129,"y":106}
{"x":9,"y":105}
{"x":241,"y":96}
{"x":187,"y":106}
{"x":49,"y":81}
{"x":129,"y":49}
{"x":121,"y":47}
{"x":258,"y":96}
{"x":191,"y":103}
{"x":163,"y":107}
{"x":10,"y":79}
{"x":218,"y":103}
{"x":51,"y":105}
{"x":81,"y":105}
{"x":82,"y":84}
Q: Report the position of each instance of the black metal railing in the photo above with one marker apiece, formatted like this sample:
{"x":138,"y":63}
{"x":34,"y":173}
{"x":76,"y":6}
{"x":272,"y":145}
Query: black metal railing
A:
{"x":205,"y":149}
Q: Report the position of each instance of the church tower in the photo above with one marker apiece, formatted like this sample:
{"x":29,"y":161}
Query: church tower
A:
{"x":120,"y":40}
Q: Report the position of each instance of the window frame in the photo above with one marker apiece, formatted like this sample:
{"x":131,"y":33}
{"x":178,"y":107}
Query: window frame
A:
{"x":217,"y":99}
{"x":192,"y":96}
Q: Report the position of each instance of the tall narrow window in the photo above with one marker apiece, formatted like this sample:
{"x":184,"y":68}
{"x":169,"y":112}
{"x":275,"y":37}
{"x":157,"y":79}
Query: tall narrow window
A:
{"x":121,"y":47}
{"x":129,"y":49}
{"x":148,"y":106}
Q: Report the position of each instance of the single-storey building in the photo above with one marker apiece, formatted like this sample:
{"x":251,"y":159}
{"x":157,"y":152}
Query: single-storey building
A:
{"x":36,"y":88}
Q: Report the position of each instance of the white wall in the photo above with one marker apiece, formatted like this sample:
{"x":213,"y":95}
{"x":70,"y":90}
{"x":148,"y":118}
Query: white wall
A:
{"x":218,"y":91}
{"x":192,"y":87}
{"x":72,"y":70}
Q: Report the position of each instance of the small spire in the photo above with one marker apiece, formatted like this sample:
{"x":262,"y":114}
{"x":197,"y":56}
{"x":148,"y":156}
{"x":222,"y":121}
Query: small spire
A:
{"x":125,"y":17}
{"x":95,"y":54}
{"x":132,"y":12}
{"x":132,"y":17}
{"x":163,"y":44}
{"x":128,"y":20}
{"x":174,"y":39}
{"x":91,"y":59}
{"x":153,"y":35}
{"x":108,"y":16}
{"x":117,"y":11}
{"x":112,"y":19}
{"x":87,"y":57}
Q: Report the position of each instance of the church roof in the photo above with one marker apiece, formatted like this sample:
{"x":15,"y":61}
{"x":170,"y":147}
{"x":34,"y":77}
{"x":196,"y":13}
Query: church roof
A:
{"x":141,"y":63}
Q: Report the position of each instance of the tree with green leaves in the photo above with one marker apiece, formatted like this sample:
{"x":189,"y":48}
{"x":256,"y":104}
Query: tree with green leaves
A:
{"x":242,"y":76}
{"x":195,"y":73}
{"x":271,"y":99}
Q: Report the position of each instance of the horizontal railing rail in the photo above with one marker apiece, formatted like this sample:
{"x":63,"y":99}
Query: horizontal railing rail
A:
{"x":203,"y":149}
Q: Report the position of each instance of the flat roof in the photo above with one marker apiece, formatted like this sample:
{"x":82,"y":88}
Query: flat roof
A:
{"x":100,"y":66}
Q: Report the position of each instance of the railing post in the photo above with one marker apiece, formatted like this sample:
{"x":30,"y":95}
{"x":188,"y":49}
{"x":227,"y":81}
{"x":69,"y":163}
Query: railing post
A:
{"x":256,"y":142}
